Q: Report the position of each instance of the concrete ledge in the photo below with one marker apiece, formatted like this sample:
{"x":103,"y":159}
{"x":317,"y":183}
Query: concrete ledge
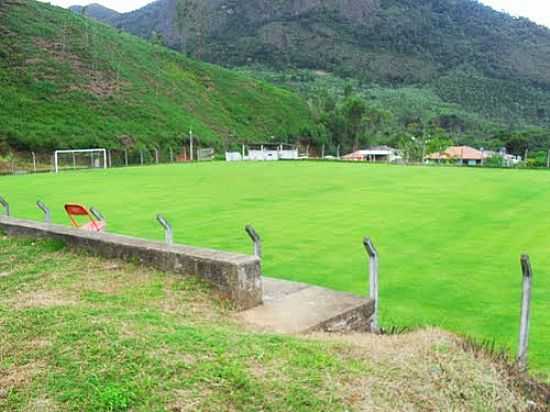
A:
{"x":237,"y":276}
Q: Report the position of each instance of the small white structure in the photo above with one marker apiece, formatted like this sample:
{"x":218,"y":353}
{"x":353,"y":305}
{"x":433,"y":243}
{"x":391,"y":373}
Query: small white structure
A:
{"x":233,"y":157}
{"x":508,"y":160}
{"x":375,"y":154}
{"x":264,"y":152}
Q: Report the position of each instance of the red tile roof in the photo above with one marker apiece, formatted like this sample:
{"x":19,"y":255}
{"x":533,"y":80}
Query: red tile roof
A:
{"x":458,"y":152}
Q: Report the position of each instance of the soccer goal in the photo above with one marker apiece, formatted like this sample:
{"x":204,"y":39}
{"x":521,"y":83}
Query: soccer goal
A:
{"x":80,"y":159}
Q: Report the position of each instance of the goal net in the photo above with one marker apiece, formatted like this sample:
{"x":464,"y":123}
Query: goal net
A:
{"x":80,"y":159}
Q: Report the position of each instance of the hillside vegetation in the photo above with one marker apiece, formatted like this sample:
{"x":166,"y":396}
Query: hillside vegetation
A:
{"x":490,"y":65}
{"x":79,"y":333}
{"x":67,"y":81}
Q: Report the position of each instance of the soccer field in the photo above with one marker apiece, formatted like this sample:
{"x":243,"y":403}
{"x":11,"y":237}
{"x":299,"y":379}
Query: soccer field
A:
{"x":449,"y":238}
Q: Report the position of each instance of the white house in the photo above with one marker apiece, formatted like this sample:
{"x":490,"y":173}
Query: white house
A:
{"x":262,"y":152}
{"x":375,"y":154}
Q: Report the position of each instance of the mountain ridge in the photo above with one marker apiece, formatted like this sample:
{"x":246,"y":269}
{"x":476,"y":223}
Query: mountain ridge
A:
{"x":463,"y":51}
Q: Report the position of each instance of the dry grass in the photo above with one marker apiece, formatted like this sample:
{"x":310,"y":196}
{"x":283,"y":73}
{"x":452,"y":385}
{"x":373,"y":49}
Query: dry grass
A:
{"x":18,"y":376}
{"x":429,"y":370}
{"x":41,"y":299}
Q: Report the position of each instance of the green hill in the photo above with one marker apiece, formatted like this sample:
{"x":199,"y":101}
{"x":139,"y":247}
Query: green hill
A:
{"x":67,"y":81}
{"x":488,"y":63}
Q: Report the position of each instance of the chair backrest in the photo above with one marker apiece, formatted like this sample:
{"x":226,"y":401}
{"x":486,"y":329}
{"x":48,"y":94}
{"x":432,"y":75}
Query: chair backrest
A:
{"x":74,"y":209}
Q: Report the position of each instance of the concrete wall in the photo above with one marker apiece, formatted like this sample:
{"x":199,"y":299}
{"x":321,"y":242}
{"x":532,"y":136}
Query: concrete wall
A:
{"x":237,"y":276}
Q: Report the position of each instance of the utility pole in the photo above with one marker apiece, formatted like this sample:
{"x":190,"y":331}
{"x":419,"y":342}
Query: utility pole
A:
{"x":191,"y":144}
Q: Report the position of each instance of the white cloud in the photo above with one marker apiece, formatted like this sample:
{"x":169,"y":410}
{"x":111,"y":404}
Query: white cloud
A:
{"x":536,"y":10}
{"x":118,"y":5}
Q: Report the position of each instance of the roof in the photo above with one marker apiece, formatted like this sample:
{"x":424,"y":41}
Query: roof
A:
{"x":373,"y":151}
{"x":458,"y":152}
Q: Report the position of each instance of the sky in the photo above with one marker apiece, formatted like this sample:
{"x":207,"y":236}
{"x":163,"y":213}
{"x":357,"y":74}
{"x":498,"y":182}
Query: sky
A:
{"x":536,"y":10}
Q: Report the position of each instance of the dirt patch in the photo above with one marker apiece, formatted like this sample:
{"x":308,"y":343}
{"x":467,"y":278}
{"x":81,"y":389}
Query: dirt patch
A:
{"x":101,"y":83}
{"x":42,"y":405}
{"x":187,"y":401}
{"x":18,"y":376}
{"x":4,"y":274}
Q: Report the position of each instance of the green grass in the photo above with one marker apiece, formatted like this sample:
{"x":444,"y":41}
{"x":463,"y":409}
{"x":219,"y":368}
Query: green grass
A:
{"x":128,"y":338}
{"x":79,"y":333}
{"x":449,"y":238}
{"x":67,"y":81}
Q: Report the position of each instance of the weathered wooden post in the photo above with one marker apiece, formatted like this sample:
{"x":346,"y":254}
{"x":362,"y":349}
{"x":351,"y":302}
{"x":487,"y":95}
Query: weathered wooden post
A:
{"x":256,"y":239}
{"x":141,"y":156}
{"x":527,"y":273}
{"x":168,"y":232}
{"x":6,"y":206}
{"x":109,"y":159}
{"x":47,"y":215}
{"x":157,"y":156}
{"x":126,"y":157}
{"x":373,"y":279}
{"x":34,"y":162}
{"x":171,"y":154}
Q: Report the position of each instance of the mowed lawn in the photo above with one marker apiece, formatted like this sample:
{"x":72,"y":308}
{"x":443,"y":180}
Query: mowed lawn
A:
{"x":449,"y":238}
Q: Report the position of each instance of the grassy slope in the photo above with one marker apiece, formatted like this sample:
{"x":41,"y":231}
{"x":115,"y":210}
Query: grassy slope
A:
{"x":449,"y":238}
{"x":66,"y":81}
{"x":81,"y":333}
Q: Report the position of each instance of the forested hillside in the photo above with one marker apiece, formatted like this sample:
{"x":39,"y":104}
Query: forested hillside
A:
{"x":67,"y":81}
{"x":485,"y":69}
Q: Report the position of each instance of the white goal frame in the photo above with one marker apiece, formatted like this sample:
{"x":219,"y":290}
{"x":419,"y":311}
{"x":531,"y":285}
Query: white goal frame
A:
{"x":58,"y":152}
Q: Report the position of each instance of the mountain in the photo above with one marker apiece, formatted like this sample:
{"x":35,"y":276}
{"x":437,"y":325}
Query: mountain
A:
{"x":68,"y":81}
{"x":464,"y":53}
{"x":96,"y":11}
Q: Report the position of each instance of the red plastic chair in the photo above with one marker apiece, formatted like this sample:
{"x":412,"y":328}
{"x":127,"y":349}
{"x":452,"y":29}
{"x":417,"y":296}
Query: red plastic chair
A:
{"x":75,"y":210}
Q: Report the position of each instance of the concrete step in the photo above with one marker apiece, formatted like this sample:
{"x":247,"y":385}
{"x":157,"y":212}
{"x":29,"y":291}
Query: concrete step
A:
{"x":292,"y":308}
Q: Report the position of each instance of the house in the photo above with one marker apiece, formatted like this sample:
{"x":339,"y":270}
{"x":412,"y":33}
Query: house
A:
{"x":375,"y":154}
{"x":462,"y":155}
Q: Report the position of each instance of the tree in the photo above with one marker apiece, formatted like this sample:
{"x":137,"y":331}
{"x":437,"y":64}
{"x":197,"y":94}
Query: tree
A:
{"x":354,"y":109}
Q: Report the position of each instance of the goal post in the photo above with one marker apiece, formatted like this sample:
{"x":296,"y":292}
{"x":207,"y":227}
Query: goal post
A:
{"x":94,"y":161}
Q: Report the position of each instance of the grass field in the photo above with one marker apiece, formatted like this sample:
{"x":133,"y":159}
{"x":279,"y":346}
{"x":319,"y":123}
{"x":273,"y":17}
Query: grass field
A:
{"x":449,"y":238}
{"x":131,"y":338}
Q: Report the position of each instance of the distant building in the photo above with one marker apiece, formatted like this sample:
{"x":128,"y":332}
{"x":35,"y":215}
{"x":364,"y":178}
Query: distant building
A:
{"x":508,"y":160}
{"x":267,"y":151}
{"x":463,"y":155}
{"x":384,"y":154}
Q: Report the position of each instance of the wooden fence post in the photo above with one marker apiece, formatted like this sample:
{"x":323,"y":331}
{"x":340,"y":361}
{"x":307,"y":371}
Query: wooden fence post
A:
{"x":373,"y":279}
{"x":527,"y":273}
